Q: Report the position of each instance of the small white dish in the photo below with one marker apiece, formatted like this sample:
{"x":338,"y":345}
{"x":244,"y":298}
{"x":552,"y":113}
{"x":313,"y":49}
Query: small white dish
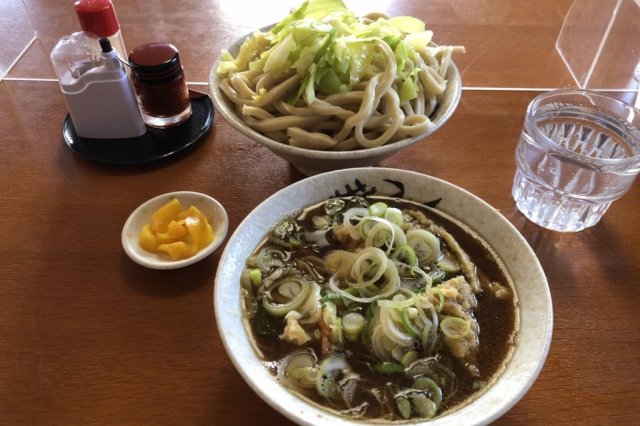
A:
{"x":211,"y":208}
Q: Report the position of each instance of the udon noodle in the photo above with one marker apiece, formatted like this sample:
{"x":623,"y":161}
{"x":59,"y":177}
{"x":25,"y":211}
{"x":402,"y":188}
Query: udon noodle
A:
{"x":325,"y":79}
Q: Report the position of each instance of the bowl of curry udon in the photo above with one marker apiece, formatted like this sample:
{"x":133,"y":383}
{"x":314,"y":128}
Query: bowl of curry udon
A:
{"x":374,"y":295}
{"x":326,"y":90}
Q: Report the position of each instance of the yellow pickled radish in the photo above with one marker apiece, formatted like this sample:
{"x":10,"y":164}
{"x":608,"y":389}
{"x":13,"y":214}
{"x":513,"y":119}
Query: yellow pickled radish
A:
{"x":199,"y":229}
{"x":164,"y":215}
{"x":148,"y":240}
{"x":176,"y":232}
{"x":178,"y":250}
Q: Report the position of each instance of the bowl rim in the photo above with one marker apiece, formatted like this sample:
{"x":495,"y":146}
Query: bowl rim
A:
{"x":135,"y":252}
{"x":303,"y":412}
{"x":454,"y":85}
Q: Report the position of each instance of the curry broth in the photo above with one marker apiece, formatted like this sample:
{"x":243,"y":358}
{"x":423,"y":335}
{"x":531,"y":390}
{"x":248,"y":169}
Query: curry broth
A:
{"x":497,"y":318}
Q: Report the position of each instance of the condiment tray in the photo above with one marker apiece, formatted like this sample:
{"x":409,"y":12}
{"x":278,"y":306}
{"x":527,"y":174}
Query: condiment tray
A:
{"x":154,"y":145}
{"x":210,"y":207}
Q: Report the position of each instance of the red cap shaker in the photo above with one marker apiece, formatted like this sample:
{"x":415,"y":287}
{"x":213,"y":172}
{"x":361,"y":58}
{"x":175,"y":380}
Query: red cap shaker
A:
{"x":98,"y":19}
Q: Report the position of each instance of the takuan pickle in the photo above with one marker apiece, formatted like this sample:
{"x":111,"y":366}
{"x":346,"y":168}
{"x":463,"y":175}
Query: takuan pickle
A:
{"x":176,"y":232}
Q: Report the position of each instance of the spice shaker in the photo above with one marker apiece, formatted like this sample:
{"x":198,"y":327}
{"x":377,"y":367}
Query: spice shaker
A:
{"x":98,"y":19}
{"x":160,"y":85}
{"x":100,"y":97}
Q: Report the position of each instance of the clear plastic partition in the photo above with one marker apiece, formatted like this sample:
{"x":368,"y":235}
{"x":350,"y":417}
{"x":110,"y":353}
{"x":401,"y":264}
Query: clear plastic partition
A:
{"x":19,"y":33}
{"x":600,"y":44}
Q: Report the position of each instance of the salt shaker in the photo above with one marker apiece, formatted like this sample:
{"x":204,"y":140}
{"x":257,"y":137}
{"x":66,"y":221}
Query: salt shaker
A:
{"x":160,"y":84}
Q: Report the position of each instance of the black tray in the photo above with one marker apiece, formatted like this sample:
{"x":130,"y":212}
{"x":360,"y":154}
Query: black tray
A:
{"x":154,"y":145}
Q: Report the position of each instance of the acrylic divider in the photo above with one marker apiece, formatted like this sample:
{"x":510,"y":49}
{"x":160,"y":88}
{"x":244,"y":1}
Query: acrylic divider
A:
{"x":598,"y":43}
{"x":19,"y":34}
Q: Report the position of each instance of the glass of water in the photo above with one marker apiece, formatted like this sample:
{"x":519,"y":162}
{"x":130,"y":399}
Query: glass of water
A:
{"x":578,"y":152}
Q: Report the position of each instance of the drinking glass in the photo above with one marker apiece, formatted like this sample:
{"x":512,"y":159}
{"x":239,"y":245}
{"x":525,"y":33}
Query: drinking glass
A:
{"x":578,"y":152}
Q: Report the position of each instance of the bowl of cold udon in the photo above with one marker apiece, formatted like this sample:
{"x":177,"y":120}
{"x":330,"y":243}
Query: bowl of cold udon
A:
{"x":375,"y":295}
{"x":326,"y":90}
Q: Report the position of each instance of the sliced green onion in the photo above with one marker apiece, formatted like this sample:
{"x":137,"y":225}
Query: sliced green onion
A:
{"x":425,"y":245}
{"x":366,"y":224}
{"x":387,"y":367}
{"x":336,"y":332}
{"x":409,"y":358}
{"x":301,"y":369}
{"x":441,"y":298}
{"x":423,"y":406}
{"x":282,"y":309}
{"x":331,"y":319}
{"x":478,"y":384}
{"x":424,"y":382}
{"x":368,"y":267}
{"x":399,"y":238}
{"x":312,"y":308}
{"x":305,"y":377}
{"x":329,"y":312}
{"x":352,"y":324}
{"x":394,"y":215}
{"x":428,"y":338}
{"x":256,"y":277}
{"x":381,"y":234}
{"x":408,"y":324}
{"x":379,"y":343}
{"x":397,"y":352}
{"x":448,"y":264}
{"x":391,"y":331}
{"x":340,"y":261}
{"x":378,"y":209}
{"x":404,"y":407}
{"x":390,"y":285}
{"x":397,"y":302}
{"x":289,"y":288}
{"x":330,"y":295}
{"x":352,"y":215}
{"x":455,"y":327}
{"x":367,"y":333}
{"x":404,"y":253}
{"x":295,"y":242}
{"x":395,"y":315}
{"x":329,"y":370}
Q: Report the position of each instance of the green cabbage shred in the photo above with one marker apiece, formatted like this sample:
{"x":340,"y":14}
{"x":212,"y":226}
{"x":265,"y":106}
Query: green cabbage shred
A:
{"x":331,"y":49}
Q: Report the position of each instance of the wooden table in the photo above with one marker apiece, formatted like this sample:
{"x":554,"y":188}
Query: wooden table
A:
{"x":88,"y":336}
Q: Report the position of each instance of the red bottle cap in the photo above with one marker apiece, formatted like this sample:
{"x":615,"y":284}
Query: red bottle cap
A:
{"x":97,"y":17}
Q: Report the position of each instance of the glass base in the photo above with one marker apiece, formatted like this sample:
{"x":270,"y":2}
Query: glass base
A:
{"x":164,"y":122}
{"x":553,"y":210}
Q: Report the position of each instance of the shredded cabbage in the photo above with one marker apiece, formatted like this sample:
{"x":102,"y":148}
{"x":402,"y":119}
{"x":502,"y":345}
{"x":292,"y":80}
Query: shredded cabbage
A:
{"x":331,"y":49}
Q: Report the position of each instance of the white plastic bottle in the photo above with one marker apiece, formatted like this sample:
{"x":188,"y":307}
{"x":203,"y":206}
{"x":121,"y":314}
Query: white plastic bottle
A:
{"x":101,"y":99}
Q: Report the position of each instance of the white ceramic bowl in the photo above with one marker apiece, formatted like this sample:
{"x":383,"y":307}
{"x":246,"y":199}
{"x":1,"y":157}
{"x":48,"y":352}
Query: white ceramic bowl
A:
{"x":310,"y":162}
{"x":536,"y":316}
{"x":212,"y":210}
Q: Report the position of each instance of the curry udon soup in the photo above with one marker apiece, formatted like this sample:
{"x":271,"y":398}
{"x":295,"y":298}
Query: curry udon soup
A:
{"x":378,"y":308}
